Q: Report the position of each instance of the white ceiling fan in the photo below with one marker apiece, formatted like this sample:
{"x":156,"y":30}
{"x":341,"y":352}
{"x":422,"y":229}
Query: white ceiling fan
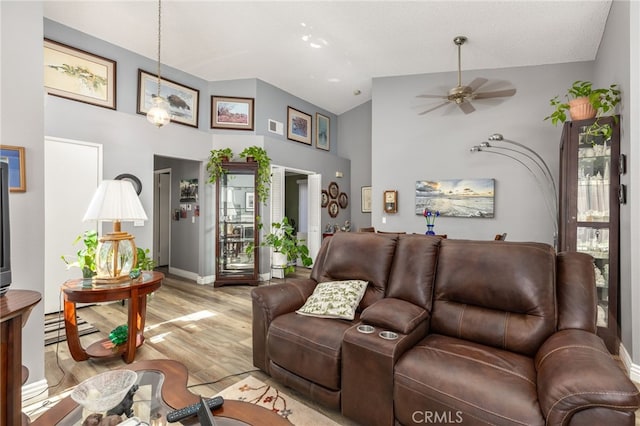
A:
{"x":463,"y":95}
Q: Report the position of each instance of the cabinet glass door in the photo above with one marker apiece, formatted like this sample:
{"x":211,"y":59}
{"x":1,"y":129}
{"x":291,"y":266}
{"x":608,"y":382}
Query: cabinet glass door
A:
{"x":236,"y":226}
{"x":593,"y":211}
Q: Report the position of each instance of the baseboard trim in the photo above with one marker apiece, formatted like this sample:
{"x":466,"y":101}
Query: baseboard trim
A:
{"x":183,"y":274}
{"x":208,"y":279}
{"x":35,"y":392}
{"x":633,"y":370}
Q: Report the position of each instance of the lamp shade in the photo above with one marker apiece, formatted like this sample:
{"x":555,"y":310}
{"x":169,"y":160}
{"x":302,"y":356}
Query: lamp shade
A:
{"x":115,"y":200}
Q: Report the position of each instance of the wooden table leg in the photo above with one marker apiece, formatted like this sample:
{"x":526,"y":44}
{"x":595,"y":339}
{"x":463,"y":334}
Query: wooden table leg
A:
{"x":71,"y":328}
{"x":129,"y":353}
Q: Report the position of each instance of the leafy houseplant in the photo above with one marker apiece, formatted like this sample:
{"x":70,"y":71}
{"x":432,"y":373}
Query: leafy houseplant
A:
{"x":86,"y":256}
{"x":263,"y":180}
{"x":600,"y":101}
{"x":214,"y":165}
{"x":283,"y":240}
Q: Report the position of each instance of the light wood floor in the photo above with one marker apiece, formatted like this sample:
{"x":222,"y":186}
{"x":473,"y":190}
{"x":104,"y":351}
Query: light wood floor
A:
{"x":207,"y":329}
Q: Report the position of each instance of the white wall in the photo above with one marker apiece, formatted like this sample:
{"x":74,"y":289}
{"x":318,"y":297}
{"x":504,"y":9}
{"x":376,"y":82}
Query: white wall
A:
{"x":21,"y":115}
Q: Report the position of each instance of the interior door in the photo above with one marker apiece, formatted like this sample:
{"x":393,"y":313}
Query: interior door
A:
{"x":72,"y":172}
{"x":162,"y":217}
{"x":314,"y":236}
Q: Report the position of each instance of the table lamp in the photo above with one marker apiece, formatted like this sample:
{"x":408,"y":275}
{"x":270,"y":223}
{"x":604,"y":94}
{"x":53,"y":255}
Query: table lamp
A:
{"x":116,"y":255}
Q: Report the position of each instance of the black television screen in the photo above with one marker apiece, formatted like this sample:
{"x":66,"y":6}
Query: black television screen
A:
{"x":5,"y":235}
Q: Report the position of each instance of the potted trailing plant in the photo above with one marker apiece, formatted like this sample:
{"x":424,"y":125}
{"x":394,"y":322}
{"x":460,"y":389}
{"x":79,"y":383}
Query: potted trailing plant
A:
{"x":284,"y":241}
{"x":86,"y":256}
{"x":263,"y":180}
{"x":584,"y":102}
{"x":214,"y":165}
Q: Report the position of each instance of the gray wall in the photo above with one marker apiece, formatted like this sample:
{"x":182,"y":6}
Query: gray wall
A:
{"x":354,"y":134}
{"x":408,"y":147}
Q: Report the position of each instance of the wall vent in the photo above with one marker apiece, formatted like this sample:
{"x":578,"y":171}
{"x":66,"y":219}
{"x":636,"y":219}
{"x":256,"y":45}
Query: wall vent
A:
{"x":275,"y":127}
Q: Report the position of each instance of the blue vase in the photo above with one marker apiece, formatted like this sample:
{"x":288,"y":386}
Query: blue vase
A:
{"x":430,"y":230}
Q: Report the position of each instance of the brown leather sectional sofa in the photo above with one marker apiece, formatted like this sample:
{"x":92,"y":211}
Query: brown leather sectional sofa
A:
{"x":488,"y":332}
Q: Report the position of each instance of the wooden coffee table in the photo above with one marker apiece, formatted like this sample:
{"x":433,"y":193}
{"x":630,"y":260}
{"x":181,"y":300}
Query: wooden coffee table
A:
{"x":169,"y":380}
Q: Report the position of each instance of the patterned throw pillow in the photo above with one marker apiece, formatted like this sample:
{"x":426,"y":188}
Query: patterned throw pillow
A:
{"x":335,"y":299}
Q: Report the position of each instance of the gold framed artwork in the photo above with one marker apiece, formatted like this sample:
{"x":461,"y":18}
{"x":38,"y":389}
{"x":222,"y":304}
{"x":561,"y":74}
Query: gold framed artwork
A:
{"x":298,"y":126}
{"x":81,"y":76}
{"x":228,"y":112}
{"x":183,"y":101}
{"x":14,"y":156}
{"x":322,"y":132}
{"x":390,"y":201}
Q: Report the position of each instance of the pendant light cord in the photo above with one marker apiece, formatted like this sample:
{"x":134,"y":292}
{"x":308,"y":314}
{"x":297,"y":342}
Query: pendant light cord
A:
{"x":159,"y":36}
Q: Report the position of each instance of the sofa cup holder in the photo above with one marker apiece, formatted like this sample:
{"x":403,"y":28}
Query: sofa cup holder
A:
{"x":388,"y":335}
{"x":366,"y":329}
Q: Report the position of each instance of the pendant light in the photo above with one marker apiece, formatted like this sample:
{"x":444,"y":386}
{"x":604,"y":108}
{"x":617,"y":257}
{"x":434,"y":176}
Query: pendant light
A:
{"x":159,"y":115}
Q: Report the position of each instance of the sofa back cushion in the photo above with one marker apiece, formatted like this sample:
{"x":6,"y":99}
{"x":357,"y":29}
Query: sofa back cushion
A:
{"x":414,"y":269}
{"x":496,"y":293}
{"x":357,"y":256}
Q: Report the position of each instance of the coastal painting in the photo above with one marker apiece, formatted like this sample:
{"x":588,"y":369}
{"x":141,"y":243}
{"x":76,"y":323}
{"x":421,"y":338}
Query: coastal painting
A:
{"x":456,"y":197}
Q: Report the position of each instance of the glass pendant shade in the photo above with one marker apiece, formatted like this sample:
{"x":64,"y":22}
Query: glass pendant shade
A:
{"x":159,"y":115}
{"x":116,"y":255}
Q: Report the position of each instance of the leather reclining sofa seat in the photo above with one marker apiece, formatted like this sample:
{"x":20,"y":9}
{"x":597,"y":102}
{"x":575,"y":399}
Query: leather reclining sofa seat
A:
{"x":488,"y":332}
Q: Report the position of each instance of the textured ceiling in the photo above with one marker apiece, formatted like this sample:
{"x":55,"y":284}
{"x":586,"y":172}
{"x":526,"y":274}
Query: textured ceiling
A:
{"x":227,"y":40}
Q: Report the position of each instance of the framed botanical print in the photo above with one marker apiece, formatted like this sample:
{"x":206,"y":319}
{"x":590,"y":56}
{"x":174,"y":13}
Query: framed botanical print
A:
{"x":228,"y":112}
{"x":322,"y":132}
{"x":183,"y":101}
{"x":78,"y":75}
{"x":298,"y":126}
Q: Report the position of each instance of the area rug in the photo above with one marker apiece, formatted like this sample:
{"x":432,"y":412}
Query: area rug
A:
{"x":256,"y":392}
{"x":54,"y":331}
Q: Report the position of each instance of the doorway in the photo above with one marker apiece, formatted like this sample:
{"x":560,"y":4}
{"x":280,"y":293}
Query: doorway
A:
{"x":162,"y":217}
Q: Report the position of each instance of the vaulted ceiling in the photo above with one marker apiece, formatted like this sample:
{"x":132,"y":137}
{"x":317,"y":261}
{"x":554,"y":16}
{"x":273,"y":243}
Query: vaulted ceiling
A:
{"x":328,"y":52}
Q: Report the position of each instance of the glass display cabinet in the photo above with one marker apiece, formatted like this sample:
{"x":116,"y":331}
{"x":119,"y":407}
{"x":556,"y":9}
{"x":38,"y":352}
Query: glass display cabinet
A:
{"x":237,"y":211}
{"x":590,"y":196}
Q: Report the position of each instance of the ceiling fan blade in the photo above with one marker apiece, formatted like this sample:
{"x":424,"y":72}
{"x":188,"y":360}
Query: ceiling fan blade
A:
{"x":434,"y":108}
{"x":476,"y":83}
{"x":495,"y":94}
{"x":432,"y":96}
{"x":466,"y":107}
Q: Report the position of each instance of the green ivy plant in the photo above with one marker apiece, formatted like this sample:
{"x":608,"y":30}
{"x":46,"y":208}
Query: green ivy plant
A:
{"x":86,"y":256}
{"x":214,"y":165}
{"x":284,"y":240}
{"x":263,"y":180}
{"x":602,"y":100}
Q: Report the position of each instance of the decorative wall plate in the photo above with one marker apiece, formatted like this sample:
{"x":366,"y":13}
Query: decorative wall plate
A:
{"x":343,"y":200}
{"x":333,"y":209}
{"x":324,"y":200}
{"x":334,"y":190}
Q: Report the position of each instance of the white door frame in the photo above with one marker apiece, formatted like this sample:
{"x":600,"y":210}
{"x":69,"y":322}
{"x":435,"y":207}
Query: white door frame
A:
{"x":157,"y":214}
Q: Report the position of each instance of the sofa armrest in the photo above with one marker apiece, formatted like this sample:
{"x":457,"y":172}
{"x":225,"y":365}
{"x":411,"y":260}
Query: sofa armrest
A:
{"x":395,"y":315}
{"x":576,"y":372}
{"x":269,"y":302}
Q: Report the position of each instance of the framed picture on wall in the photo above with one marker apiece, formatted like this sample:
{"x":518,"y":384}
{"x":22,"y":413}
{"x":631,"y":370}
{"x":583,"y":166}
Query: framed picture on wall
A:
{"x":183,"y":101}
{"x":298,"y":126}
{"x":365,"y":199}
{"x":233,"y":113}
{"x":14,"y":156}
{"x":322,"y":132}
{"x":78,"y":75}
